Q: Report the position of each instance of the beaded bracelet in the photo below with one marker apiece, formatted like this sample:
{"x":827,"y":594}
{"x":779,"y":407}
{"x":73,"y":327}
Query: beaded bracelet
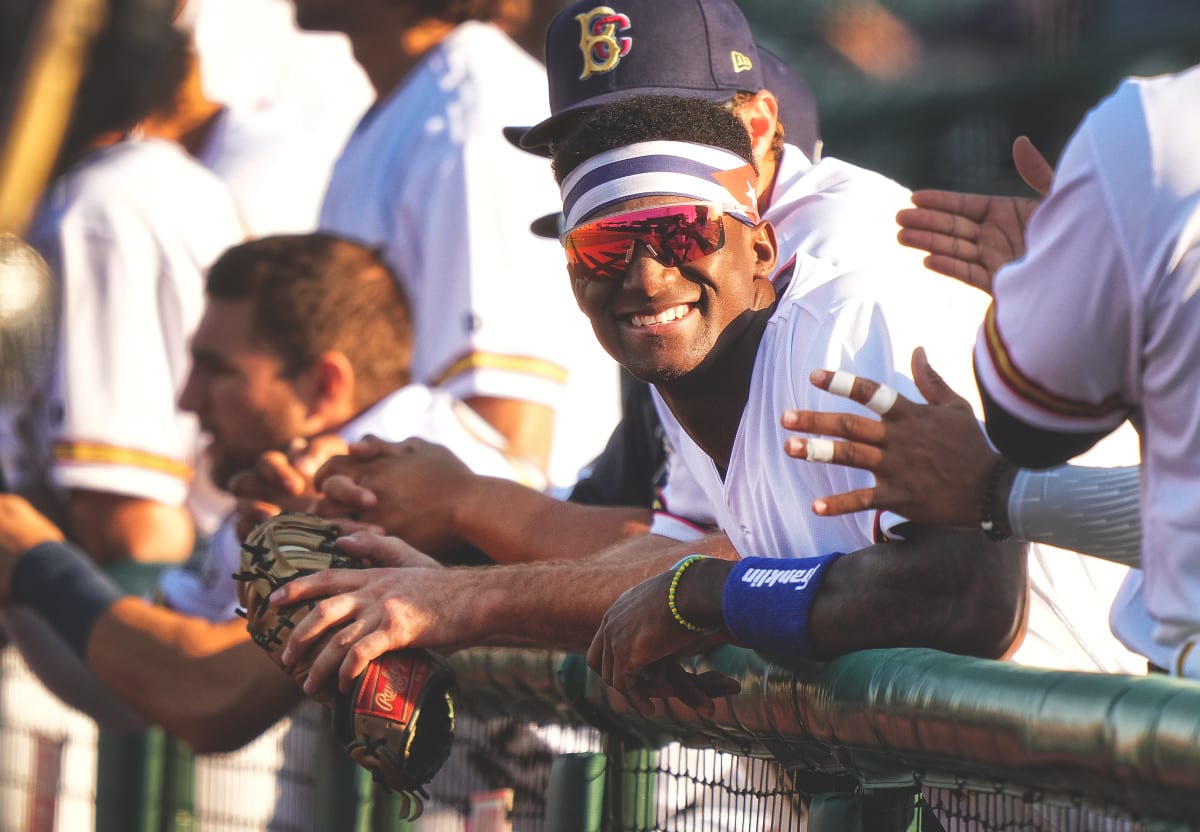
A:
{"x":991,"y":528}
{"x":678,"y":570}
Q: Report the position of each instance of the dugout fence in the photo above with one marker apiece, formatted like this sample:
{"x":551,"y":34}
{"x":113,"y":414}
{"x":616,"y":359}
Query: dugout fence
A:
{"x":876,"y":741}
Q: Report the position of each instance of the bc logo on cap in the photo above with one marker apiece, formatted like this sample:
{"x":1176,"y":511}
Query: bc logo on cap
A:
{"x":602,"y":49}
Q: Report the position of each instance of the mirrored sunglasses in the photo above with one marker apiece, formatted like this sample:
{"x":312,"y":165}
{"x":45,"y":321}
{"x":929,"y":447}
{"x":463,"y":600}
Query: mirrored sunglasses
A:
{"x":671,"y":234}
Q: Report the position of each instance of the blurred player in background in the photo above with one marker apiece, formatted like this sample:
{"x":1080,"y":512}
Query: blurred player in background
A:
{"x":127,"y":227}
{"x":428,"y":176}
{"x":303,"y":336}
{"x":271,"y":139}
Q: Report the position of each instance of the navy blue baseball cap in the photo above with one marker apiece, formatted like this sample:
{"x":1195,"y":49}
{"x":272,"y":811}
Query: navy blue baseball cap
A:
{"x":797,"y":109}
{"x":596,"y":54}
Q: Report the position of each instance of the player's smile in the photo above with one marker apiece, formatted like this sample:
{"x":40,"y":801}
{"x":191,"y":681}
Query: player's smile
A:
{"x":661,"y":322}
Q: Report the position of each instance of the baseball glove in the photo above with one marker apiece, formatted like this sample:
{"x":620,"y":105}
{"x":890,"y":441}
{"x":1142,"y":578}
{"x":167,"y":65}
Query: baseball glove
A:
{"x":397,"y":721}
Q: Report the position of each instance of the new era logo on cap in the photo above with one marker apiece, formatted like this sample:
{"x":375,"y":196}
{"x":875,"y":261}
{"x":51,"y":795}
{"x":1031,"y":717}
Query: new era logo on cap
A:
{"x":597,"y":54}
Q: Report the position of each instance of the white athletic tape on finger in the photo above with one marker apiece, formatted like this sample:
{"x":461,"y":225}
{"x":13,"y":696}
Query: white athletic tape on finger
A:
{"x":883,"y":400}
{"x":841,"y":384}
{"x":819,"y":450}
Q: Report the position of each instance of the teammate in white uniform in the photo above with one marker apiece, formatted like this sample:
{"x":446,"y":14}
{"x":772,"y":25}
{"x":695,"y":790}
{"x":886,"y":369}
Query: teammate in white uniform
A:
{"x":253,"y":57}
{"x":128,"y":231}
{"x":203,"y":588}
{"x":267,"y":367}
{"x":1113,"y":249}
{"x":428,"y":176}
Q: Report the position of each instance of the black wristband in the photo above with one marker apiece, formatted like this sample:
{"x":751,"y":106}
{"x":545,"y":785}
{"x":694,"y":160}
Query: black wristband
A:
{"x":993,"y":526}
{"x":63,"y":585}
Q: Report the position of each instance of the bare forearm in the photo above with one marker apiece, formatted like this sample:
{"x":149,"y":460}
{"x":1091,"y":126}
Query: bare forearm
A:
{"x":559,"y":605}
{"x":205,"y":683}
{"x":111,"y":527}
{"x":64,"y":672}
{"x":515,"y":524}
{"x":528,"y":427}
{"x":950,"y":590}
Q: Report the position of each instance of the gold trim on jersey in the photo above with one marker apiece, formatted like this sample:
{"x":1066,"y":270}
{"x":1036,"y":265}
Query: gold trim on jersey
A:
{"x":97,"y":453}
{"x":511,"y":363}
{"x":1030,"y":390}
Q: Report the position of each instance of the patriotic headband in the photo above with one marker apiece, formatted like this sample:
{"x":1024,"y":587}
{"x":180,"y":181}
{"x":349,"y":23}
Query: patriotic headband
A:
{"x":661,"y":168}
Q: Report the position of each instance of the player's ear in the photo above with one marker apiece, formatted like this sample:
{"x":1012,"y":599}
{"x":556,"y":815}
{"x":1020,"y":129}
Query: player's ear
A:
{"x":331,"y":388}
{"x":760,"y":115}
{"x":766,"y":253}
{"x":766,"y":249}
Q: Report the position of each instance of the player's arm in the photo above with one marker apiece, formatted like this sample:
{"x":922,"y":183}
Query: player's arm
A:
{"x":121,"y":451}
{"x":1030,"y":445}
{"x":205,"y":683}
{"x":931,"y":463}
{"x":113,"y":527}
{"x":948,"y":590}
{"x":423,"y":494}
{"x":65,"y":673}
{"x":561,"y":604}
{"x":1050,"y":395}
{"x":527,"y":426}
{"x":552,"y":605}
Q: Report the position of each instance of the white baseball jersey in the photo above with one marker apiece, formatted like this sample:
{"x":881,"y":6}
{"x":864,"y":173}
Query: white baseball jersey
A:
{"x":860,"y":322}
{"x":846,"y":216}
{"x":203,"y":587}
{"x":128,"y":233}
{"x":1113,"y":252}
{"x":428,"y":176}
{"x":276,"y":170}
{"x":840,"y":213}
{"x":252,"y":56}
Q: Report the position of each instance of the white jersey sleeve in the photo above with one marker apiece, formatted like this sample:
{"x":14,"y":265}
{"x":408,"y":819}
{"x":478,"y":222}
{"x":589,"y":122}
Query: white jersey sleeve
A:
{"x":129,"y":235}
{"x":1102,"y":321}
{"x":1074,"y":276}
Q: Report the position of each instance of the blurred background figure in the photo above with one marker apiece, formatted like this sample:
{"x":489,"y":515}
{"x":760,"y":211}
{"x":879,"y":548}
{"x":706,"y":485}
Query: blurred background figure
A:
{"x":428,"y":176}
{"x":128,"y":227}
{"x":26,"y":331}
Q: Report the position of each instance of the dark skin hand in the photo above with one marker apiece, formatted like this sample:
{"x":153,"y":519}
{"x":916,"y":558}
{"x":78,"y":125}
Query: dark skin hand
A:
{"x":952,"y":591}
{"x":970,"y":236}
{"x":930,"y":461}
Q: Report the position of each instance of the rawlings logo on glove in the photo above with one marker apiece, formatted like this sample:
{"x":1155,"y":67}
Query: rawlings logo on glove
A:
{"x":398,"y":719}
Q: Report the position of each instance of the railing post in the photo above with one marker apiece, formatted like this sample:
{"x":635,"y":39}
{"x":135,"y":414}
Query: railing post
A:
{"x":144,"y":781}
{"x":575,"y":793}
{"x":632,"y":786}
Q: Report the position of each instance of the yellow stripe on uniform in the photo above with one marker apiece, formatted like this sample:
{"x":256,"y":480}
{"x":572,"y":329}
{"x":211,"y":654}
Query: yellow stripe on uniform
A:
{"x":96,"y":453}
{"x":509,"y":363}
{"x":1029,"y":389}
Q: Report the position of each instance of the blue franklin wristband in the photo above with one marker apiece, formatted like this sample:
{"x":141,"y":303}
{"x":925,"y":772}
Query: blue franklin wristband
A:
{"x":766,"y":602}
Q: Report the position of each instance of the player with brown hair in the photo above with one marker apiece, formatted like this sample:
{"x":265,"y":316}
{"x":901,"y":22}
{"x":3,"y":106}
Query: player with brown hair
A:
{"x":190,"y":665}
